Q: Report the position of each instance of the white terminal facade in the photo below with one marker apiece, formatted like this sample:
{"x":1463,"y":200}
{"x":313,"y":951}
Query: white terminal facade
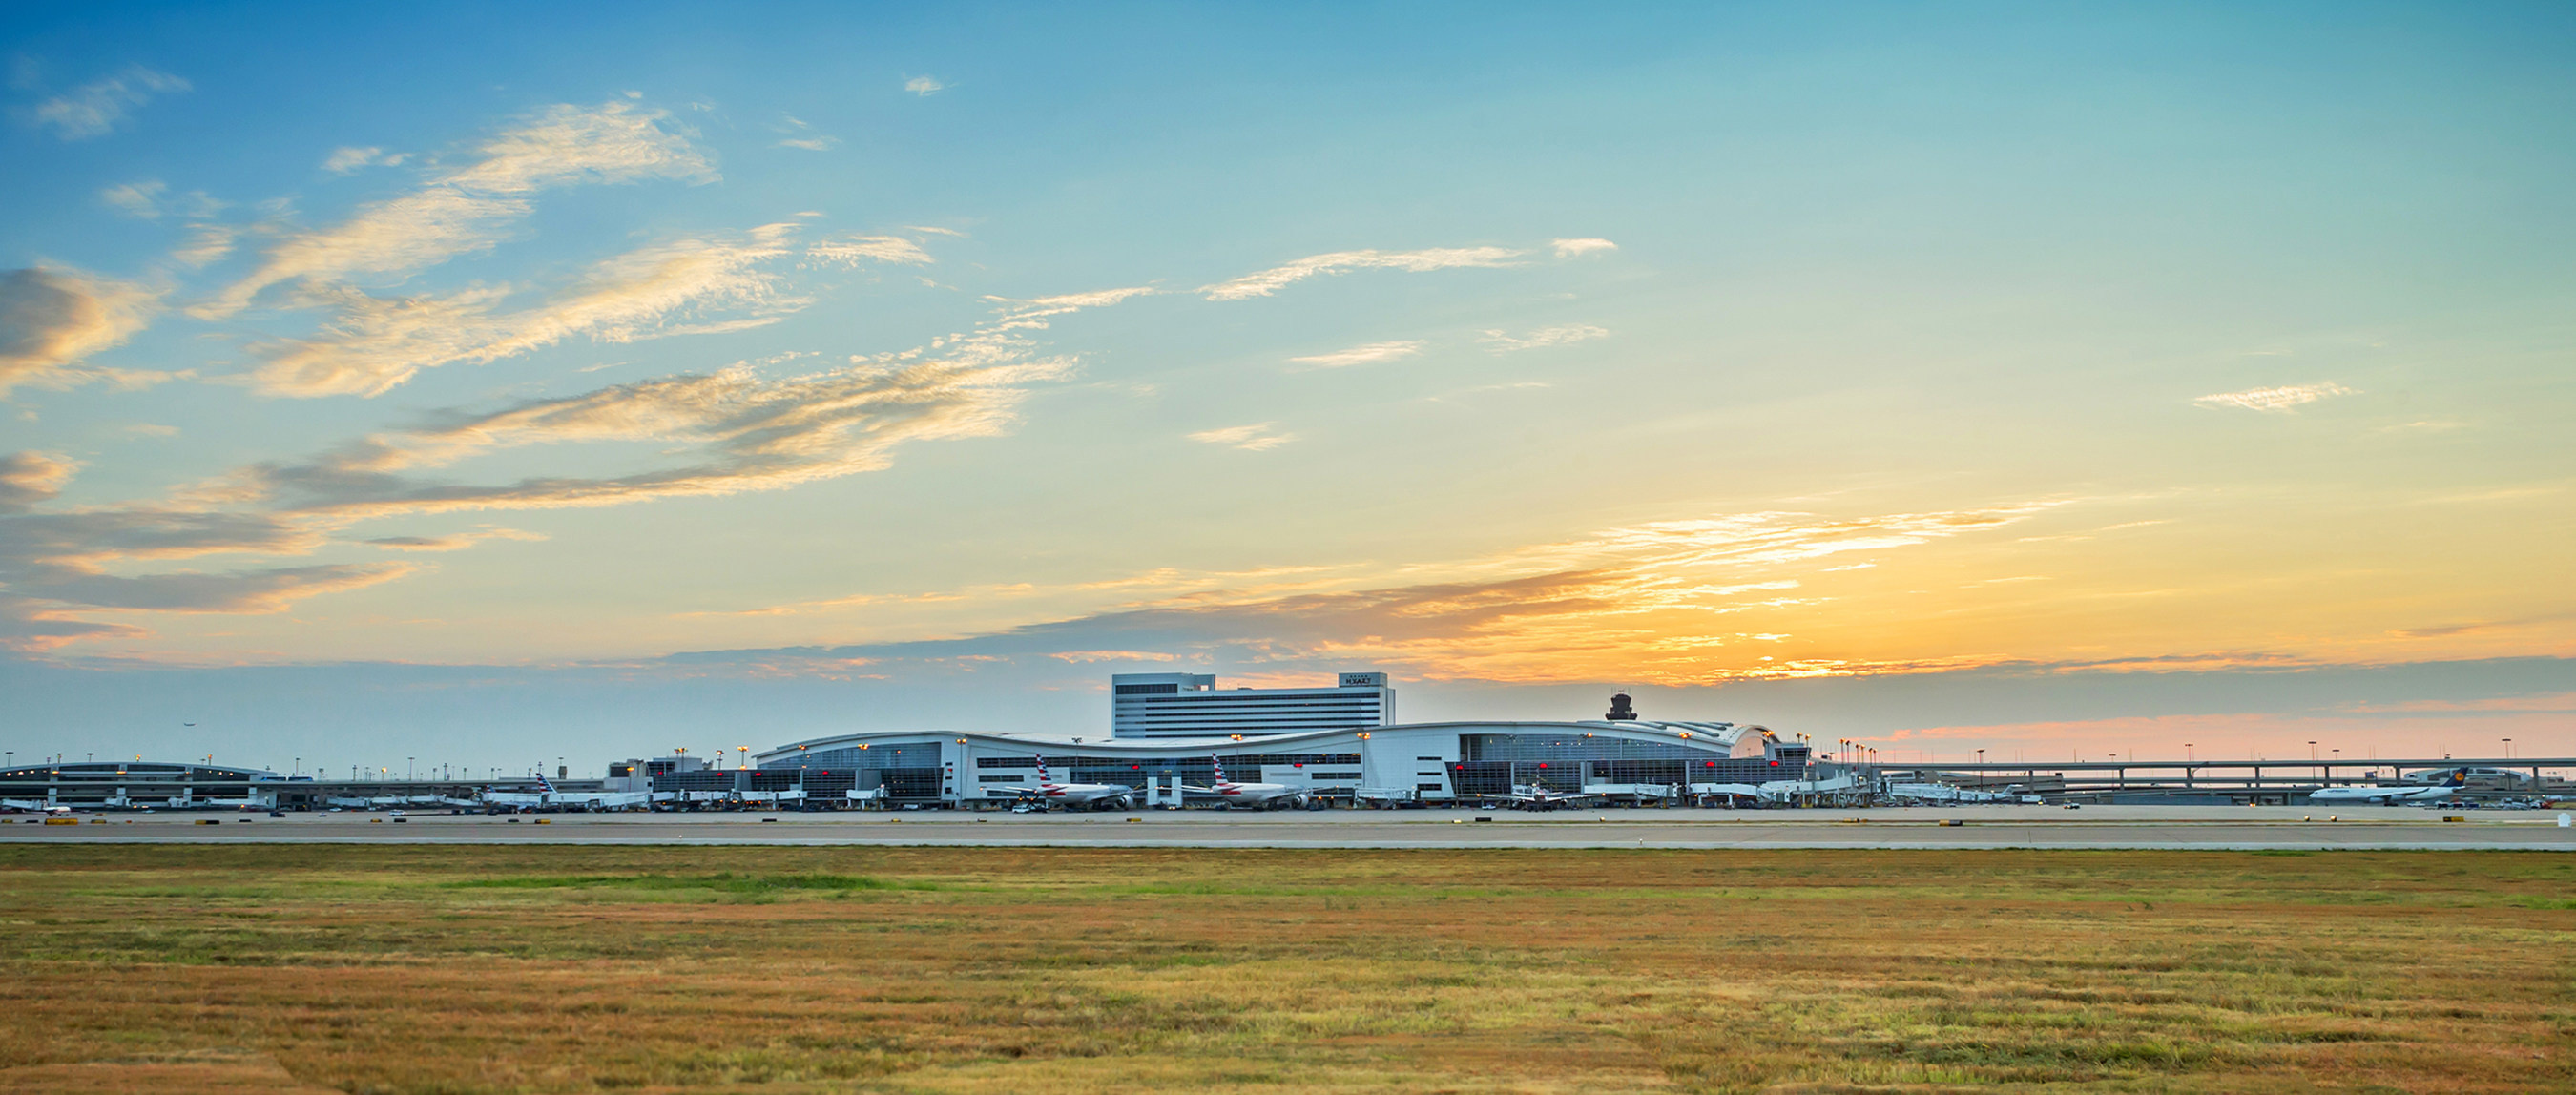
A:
{"x":1336,"y":742}
{"x":1189,"y":705}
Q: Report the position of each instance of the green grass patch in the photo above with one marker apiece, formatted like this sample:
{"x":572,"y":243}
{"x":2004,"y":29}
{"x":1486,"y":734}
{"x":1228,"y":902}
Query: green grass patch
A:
{"x":723,"y":882}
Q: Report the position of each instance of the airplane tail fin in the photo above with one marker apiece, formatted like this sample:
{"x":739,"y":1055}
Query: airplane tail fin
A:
{"x":1043,"y":778}
{"x":2459,"y":777}
{"x":1217,"y":763}
{"x":546,"y":784}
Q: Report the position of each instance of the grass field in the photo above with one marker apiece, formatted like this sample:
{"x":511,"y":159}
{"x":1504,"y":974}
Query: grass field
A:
{"x":439,"y":969}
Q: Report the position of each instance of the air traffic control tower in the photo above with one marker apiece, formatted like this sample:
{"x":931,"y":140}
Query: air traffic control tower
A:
{"x":1189,"y":705}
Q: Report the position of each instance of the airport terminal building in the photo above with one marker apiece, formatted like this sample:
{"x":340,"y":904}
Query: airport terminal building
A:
{"x":1358,"y":757}
{"x":120,"y":785}
{"x":1189,"y":705}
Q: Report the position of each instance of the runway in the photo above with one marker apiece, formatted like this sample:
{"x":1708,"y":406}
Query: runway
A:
{"x":2133,"y":827}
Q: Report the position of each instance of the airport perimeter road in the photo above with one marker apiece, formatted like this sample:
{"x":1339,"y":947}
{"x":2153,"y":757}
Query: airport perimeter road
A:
{"x":2159,"y":827}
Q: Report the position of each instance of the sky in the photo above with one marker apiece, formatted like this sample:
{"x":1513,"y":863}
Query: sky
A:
{"x":485,"y":385}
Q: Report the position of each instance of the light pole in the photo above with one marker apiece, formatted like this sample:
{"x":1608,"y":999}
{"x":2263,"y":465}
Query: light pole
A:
{"x":2508,"y":748}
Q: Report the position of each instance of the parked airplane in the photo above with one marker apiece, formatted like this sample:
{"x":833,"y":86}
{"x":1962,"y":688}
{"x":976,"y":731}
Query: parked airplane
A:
{"x":33,"y":807}
{"x":1250,"y":795}
{"x":1535,"y":797}
{"x":1942,"y":792}
{"x":1096,"y":796}
{"x":548,"y":795}
{"x":1784,"y":789}
{"x":2448,"y":786}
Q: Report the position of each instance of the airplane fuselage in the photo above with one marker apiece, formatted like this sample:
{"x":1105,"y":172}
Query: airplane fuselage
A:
{"x":1083,"y":794}
{"x":1255,"y":794}
{"x":2381,"y":794}
{"x":2404,"y":793}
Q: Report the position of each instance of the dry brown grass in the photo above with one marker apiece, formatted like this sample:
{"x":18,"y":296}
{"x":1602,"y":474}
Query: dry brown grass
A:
{"x":427,"y":969}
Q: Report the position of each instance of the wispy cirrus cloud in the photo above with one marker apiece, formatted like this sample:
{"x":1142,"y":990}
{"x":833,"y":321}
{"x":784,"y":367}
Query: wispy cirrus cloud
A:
{"x":257,"y":590}
{"x":348,"y":160}
{"x":1657,"y":602}
{"x":801,"y":134}
{"x":1158,"y":584}
{"x":1272,"y":280}
{"x":204,"y":240}
{"x":140,"y":200}
{"x":726,"y":432}
{"x":2274,"y":399}
{"x":1257,"y":437}
{"x":466,"y":208}
{"x":55,"y":566}
{"x":739,"y":431}
{"x":1503,"y":342}
{"x":456,"y":542}
{"x":150,"y":199}
{"x":52,"y":320}
{"x":853,"y":249}
{"x":1569,"y":248}
{"x":1369,"y":354}
{"x":30,"y":625}
{"x":27,"y":478}
{"x":730,"y":431}
{"x":924,"y":86}
{"x":707,"y":284}
{"x":373,"y":344}
{"x":95,"y":109}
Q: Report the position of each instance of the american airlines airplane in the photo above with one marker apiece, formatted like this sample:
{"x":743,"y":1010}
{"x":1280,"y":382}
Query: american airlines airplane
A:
{"x":2448,"y":787}
{"x":1096,"y":796}
{"x":547,"y":795}
{"x":1250,"y":795}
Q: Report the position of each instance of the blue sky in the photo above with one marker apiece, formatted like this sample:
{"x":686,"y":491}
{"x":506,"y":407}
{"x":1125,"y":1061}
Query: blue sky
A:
{"x":642,"y":362}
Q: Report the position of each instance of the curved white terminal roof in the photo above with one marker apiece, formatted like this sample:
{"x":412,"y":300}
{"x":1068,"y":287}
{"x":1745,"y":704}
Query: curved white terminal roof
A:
{"x":1717,"y":737}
